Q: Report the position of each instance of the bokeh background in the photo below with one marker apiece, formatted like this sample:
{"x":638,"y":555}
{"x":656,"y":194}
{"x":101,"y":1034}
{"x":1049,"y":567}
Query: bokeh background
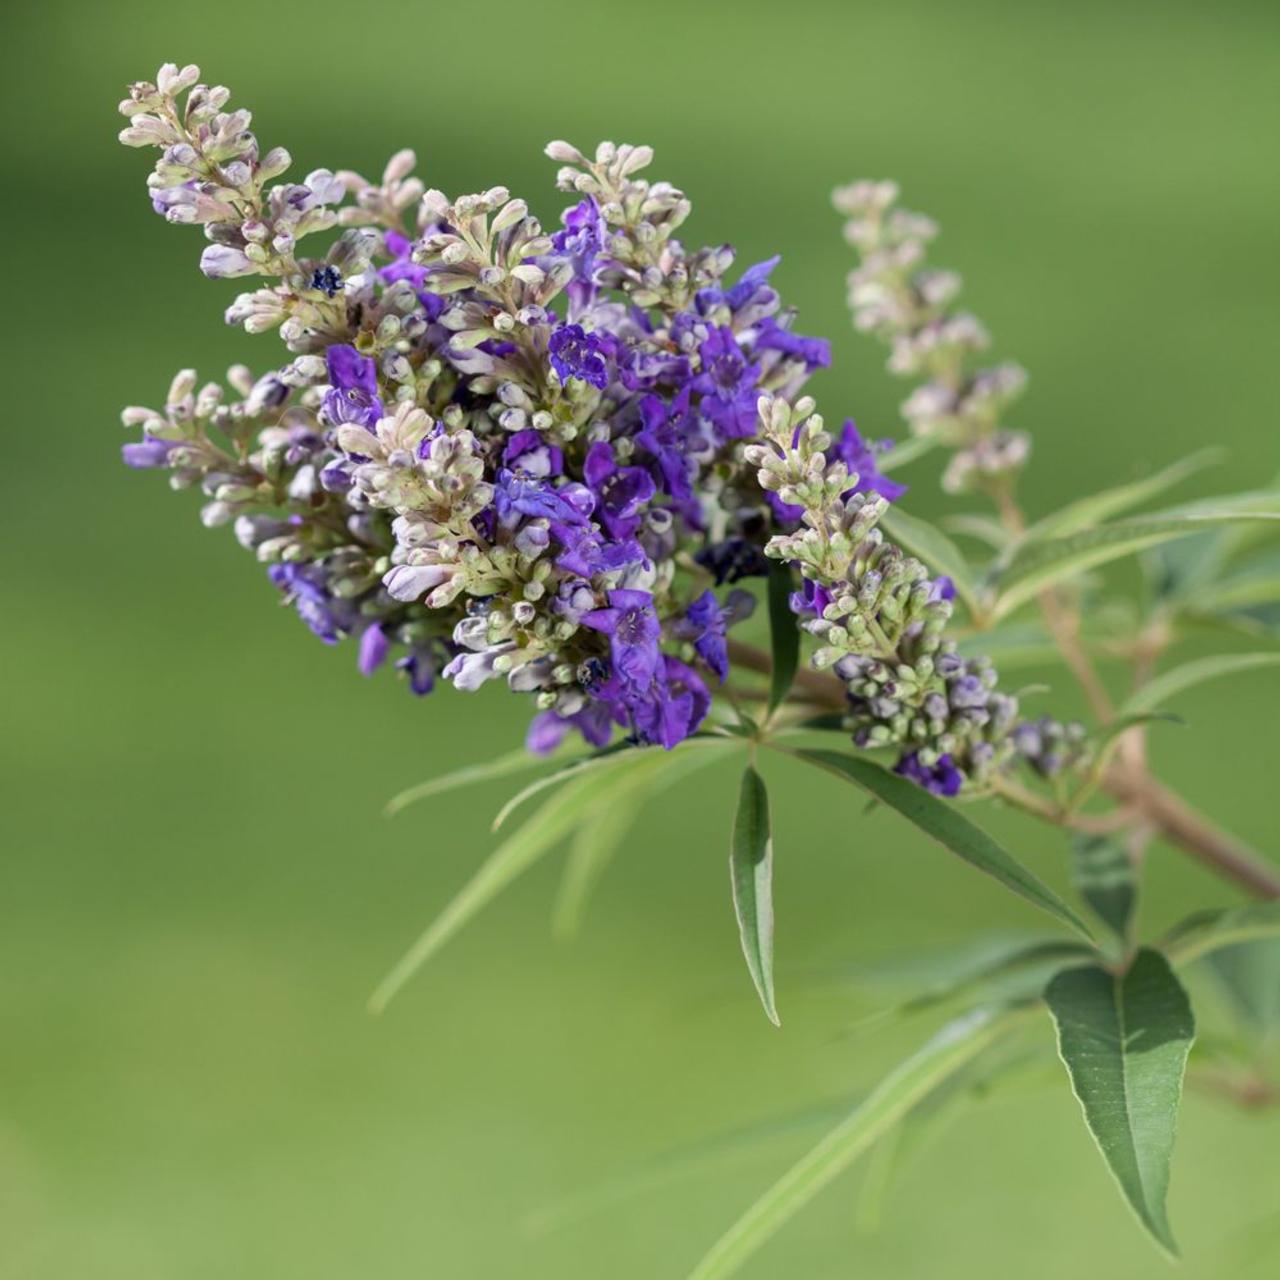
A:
{"x":198,"y":890}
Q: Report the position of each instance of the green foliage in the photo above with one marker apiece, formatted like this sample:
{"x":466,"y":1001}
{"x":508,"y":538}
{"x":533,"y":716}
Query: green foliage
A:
{"x":1124,"y":1039}
{"x":947,"y":1052}
{"x":784,"y":635}
{"x":1103,"y":874}
{"x":519,"y":761}
{"x":1208,"y":931}
{"x":948,"y":826}
{"x":1176,"y":680}
{"x":1034,"y":564}
{"x":1248,"y":973}
{"x":751,"y":873}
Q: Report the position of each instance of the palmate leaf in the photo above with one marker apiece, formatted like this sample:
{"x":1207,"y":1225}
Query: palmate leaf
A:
{"x":784,"y":635}
{"x":948,"y":826}
{"x":1176,"y":680}
{"x":1208,"y":931}
{"x":954,"y":1046}
{"x":1090,"y":510}
{"x":1033,"y":566}
{"x":931,"y":545}
{"x":1124,"y":1040}
{"x":751,"y":873}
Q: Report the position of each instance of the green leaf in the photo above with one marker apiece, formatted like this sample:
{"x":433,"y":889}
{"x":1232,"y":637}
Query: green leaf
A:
{"x":1256,"y":582}
{"x":906,"y":451}
{"x":1174,"y":681}
{"x":1088,"y":511}
{"x":597,"y":760}
{"x":1249,"y":975}
{"x":981,"y":528}
{"x":1102,"y":872}
{"x":948,"y":1051}
{"x":1034,"y":566}
{"x":485,"y":771}
{"x":551,"y":823}
{"x":1125,"y":1040}
{"x":784,"y":634}
{"x":751,"y":871}
{"x":1009,"y":647}
{"x":948,"y":826}
{"x":602,"y":830}
{"x":1209,"y":931}
{"x":930,"y":544}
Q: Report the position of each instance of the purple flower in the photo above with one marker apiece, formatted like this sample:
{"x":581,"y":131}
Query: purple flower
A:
{"x":677,"y":703}
{"x":632,"y":626}
{"x":529,"y":453}
{"x":595,"y":722}
{"x":752,"y":287}
{"x":578,"y":354}
{"x":326,"y":280}
{"x":665,"y":434}
{"x":374,"y":647}
{"x":810,"y":601}
{"x":706,"y":623}
{"x":419,"y":664}
{"x":943,"y":779}
{"x":727,"y":385}
{"x":586,"y":551}
{"x":732,"y":560}
{"x":403,"y":267}
{"x":148,"y":452}
{"x":942,"y":588}
{"x":305,"y":586}
{"x":580,"y":244}
{"x":517,"y":494}
{"x":353,"y":391}
{"x":815,"y":352}
{"x":860,"y":457}
{"x":620,"y":491}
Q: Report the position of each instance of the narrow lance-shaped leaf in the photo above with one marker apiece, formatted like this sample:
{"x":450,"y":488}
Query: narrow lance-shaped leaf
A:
{"x":485,"y":771}
{"x":1102,"y":873}
{"x":1111,"y":502}
{"x":1209,"y":931}
{"x":948,"y":826}
{"x":1177,"y":679}
{"x":751,"y":871}
{"x":937,"y":551}
{"x":1124,"y":1040}
{"x":948,"y":1051}
{"x":784,"y":634}
{"x":513,"y":856}
{"x":1034,"y":567}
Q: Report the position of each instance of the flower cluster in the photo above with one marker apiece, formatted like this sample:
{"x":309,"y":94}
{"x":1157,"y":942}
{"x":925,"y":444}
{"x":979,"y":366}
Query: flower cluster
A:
{"x":896,"y":296}
{"x":502,"y":453}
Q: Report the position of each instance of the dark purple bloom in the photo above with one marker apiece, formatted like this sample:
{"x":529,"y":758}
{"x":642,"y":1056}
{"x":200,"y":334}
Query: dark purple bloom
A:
{"x":580,"y":243}
{"x":810,"y":601}
{"x":595,"y":722}
{"x":706,"y":623}
{"x":326,"y":280}
{"x":727,"y":385}
{"x":374,"y":647}
{"x":753,"y":286}
{"x":148,"y":452}
{"x":353,"y":390}
{"x":943,"y":779}
{"x":675,"y":705}
{"x":419,"y":665}
{"x":732,"y":560}
{"x":517,"y":494}
{"x":620,"y":492}
{"x":666,"y":431}
{"x":632,"y":626}
{"x":815,"y":352}
{"x":587,"y":552}
{"x":942,"y":588}
{"x":304,"y":585}
{"x":529,"y":453}
{"x":578,"y":354}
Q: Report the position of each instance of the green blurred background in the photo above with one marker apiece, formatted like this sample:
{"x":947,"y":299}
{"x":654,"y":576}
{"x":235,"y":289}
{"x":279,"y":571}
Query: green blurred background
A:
{"x":197,"y":890}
